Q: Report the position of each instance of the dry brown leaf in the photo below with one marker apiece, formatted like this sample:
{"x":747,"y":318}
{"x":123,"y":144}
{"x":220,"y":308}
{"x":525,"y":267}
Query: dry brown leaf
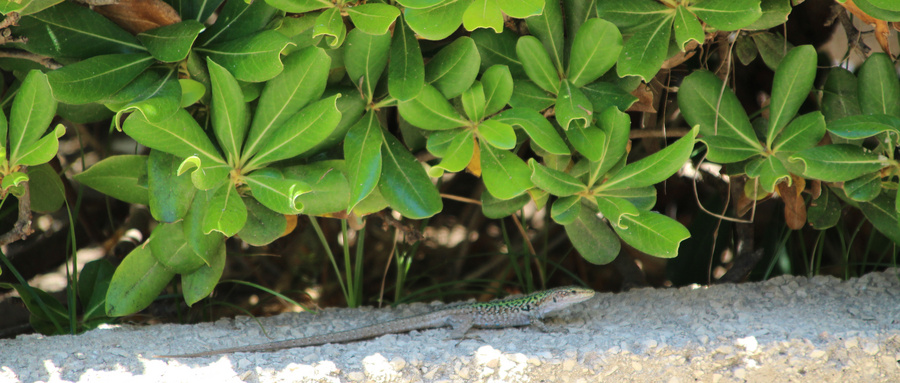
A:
{"x":794,"y":206}
{"x":882,"y":30}
{"x":137,"y":16}
{"x":645,"y":100}
{"x":474,"y":166}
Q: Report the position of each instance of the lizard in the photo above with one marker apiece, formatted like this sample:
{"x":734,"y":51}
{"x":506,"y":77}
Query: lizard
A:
{"x":461,"y":317}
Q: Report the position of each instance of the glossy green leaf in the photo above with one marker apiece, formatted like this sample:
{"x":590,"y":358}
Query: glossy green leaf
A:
{"x":864,"y":126}
{"x":300,"y":6}
{"x":615,"y":209}
{"x":68,"y":30}
{"x":644,"y":53}
{"x":303,"y":131}
{"x":498,"y":49}
{"x":24,"y":8}
{"x":97,"y":77}
{"x":838,"y":162}
{"x":793,"y":81}
{"x":592,"y":238}
{"x":329,"y":192}
{"x":590,"y":141}
{"x":171,"y":43}
{"x":351,"y":108}
{"x":362,"y":152}
{"x":157,"y":101}
{"x":653,"y":233}
{"x":701,"y":104}
{"x":171,"y":195}
{"x":404,"y":183}
{"x":236,"y":20}
{"x":656,"y":167}
{"x":406,"y":71}
{"x":46,"y":189}
{"x":772,"y":47}
{"x":521,"y":9}
{"x":483,"y":14}
{"x":226,"y":212}
{"x":825,"y":211}
{"x":439,"y":21}
{"x":169,"y":246}
{"x":616,"y":125}
{"x":207,"y":246}
{"x":93,"y":284}
{"x":431,"y":111}
{"x":456,"y":154}
{"x":501,"y":208}
{"x":505,"y":174}
{"x":536,"y":127}
{"x":278,"y":194}
{"x":882,"y":215}
{"x":527,"y":95}
{"x":603,"y":95}
{"x":498,"y":88}
{"x":774,"y":13}
{"x":554,"y":181}
{"x":687,"y":28}
{"x":33,"y":108}
{"x":629,"y":15}
{"x":727,"y":15}
{"x":136,"y":283}
{"x":879,"y":88}
{"x":499,"y":134}
{"x":263,"y":225}
{"x":41,"y":151}
{"x":179,"y":135}
{"x":253,"y":58}
{"x":473,"y":102}
{"x":229,"y":114}
{"x":745,"y":49}
{"x":642,"y":198}
{"x":770,"y":171}
{"x":565,"y":210}
{"x":205,"y":176}
{"x":373,"y":18}
{"x":365,"y":57}
{"x":726,"y":150}
{"x":839,"y":95}
{"x":573,"y":109}
{"x":454,"y":68}
{"x":123,"y":177}
{"x":864,"y":188}
{"x":884,"y":10}
{"x":13,"y":183}
{"x":548,"y":27}
{"x":419,"y":4}
{"x":595,"y":49}
{"x":802,"y":133}
{"x":302,"y":81}
{"x":537,"y":64}
{"x":199,"y":284}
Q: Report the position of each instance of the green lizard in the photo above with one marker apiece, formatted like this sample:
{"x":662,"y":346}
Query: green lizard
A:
{"x":522,"y":311}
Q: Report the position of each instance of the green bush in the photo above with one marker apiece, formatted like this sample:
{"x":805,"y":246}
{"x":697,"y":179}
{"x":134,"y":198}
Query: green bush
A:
{"x":285,"y":107}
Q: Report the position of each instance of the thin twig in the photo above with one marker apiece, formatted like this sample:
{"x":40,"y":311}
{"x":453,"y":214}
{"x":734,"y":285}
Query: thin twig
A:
{"x":22,"y":228}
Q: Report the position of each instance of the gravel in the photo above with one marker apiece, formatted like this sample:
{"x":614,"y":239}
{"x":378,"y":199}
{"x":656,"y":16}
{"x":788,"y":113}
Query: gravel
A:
{"x":785,"y":329}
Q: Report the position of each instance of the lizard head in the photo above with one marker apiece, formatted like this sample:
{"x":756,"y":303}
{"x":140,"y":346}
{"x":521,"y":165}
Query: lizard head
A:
{"x":562,"y":297}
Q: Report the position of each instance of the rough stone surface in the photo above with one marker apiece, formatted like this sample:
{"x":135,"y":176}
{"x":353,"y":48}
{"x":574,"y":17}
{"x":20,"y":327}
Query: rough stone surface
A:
{"x":785,"y":329}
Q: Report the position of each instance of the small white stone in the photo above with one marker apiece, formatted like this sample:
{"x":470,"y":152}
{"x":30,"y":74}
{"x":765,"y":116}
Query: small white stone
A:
{"x":749,"y":344}
{"x":871,"y":348}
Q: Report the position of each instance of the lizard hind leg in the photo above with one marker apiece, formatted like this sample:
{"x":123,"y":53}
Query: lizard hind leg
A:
{"x":460,"y":328}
